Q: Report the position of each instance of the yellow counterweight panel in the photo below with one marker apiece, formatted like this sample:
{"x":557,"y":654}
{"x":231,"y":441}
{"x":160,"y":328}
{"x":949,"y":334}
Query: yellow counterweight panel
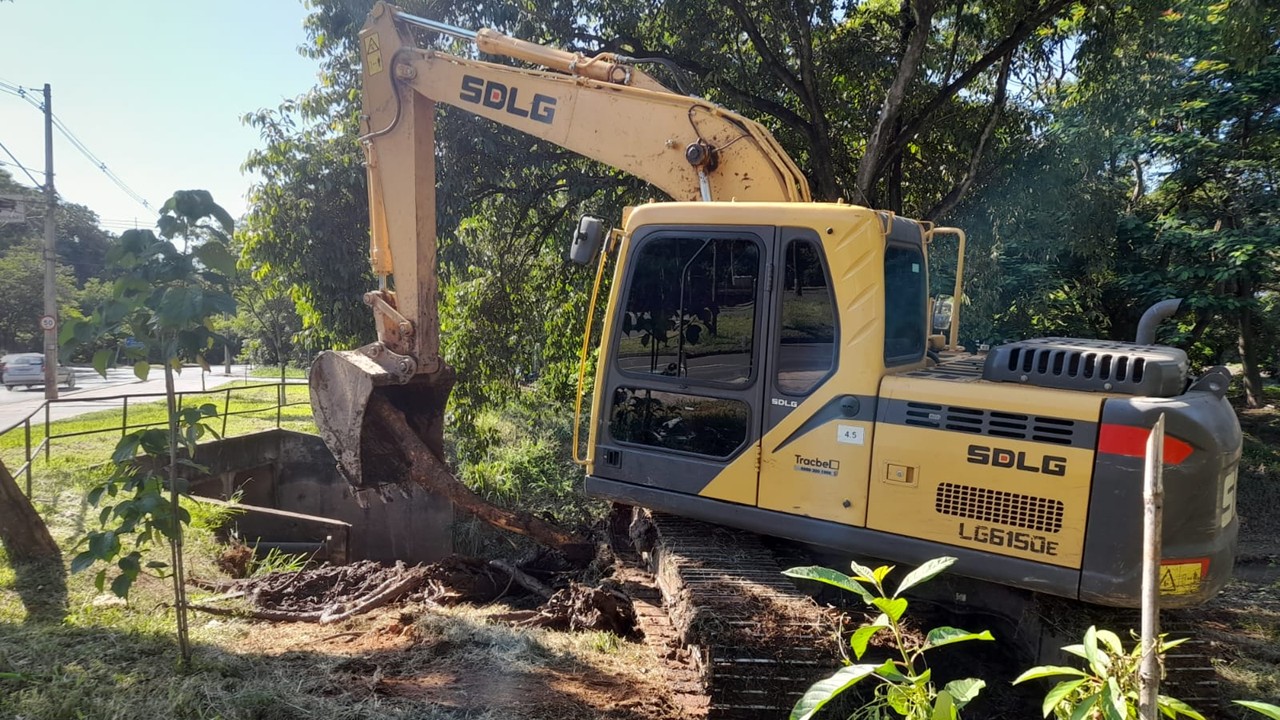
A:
{"x":1003,"y":495}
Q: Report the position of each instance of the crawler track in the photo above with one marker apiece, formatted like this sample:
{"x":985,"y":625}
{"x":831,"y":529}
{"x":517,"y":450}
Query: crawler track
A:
{"x":742,"y":642}
{"x":755,"y":641}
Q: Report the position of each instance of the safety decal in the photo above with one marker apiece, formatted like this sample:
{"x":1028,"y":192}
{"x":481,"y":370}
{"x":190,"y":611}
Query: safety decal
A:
{"x":372,"y":55}
{"x":1182,"y":577}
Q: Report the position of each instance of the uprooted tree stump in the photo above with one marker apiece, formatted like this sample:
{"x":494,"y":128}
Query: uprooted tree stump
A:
{"x":429,"y":470}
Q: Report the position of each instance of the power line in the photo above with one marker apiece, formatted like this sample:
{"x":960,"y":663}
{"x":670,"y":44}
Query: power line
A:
{"x":21,"y":92}
{"x":20,"y":165}
{"x":79,"y":145}
{"x":75,"y":142}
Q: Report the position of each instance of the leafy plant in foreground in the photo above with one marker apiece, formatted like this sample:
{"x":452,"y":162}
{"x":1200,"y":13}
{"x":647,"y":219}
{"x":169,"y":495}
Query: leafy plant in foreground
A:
{"x":1267,"y":709}
{"x":1109,"y":687}
{"x":905,"y":685}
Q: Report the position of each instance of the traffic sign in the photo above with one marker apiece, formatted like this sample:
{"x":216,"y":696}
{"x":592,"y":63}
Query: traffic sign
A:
{"x":48,"y":322}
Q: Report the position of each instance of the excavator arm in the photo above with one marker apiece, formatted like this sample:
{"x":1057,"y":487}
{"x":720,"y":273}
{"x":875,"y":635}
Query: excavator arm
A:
{"x":599,"y":107}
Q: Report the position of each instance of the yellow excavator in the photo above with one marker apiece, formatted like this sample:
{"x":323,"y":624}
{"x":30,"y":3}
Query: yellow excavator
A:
{"x":777,"y":365}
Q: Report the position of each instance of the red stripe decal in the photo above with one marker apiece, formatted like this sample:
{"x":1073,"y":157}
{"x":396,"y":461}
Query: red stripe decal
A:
{"x":1131,"y":441}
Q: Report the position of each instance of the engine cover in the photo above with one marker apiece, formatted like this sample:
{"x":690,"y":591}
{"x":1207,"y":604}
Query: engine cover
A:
{"x":1091,"y":365}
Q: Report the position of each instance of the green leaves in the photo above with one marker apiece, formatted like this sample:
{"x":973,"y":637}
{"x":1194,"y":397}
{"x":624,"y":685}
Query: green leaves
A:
{"x":824,"y":691}
{"x":862,"y":636}
{"x":1108,"y":688}
{"x":940,"y":636}
{"x":906,"y":686}
{"x":1043,"y":671}
{"x":925,"y":572}
{"x":893,"y":607}
{"x":830,"y":577}
{"x":1264,"y":709}
{"x":163,"y":301}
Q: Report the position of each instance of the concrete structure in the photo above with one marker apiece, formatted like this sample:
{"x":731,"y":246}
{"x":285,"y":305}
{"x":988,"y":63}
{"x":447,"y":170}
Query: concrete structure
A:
{"x":294,"y":498}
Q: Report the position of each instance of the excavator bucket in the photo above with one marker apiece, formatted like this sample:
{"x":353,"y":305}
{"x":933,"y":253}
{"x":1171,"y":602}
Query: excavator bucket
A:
{"x":343,"y":382}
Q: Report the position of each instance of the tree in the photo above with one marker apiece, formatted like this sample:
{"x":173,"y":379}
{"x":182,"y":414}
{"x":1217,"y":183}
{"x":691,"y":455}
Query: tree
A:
{"x":166,"y":298}
{"x":22,"y":295}
{"x":33,"y":553}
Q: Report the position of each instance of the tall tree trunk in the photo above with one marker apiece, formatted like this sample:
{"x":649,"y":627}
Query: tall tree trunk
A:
{"x":23,"y":532}
{"x":1253,"y":394}
{"x":36,"y":559}
{"x":918,"y":22}
{"x":952,"y":198}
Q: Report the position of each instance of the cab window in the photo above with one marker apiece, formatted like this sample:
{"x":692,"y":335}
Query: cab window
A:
{"x":807,"y":320}
{"x":904,"y":304}
{"x":690,"y":310}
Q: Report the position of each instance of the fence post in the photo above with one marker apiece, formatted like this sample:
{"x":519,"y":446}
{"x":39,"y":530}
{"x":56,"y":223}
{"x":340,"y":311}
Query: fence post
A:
{"x":226,"y":407}
{"x":26,"y":428}
{"x":124,"y":418}
{"x":48,"y":442}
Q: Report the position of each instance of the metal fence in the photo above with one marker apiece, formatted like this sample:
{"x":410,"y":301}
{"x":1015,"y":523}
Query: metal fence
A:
{"x":107,"y":402}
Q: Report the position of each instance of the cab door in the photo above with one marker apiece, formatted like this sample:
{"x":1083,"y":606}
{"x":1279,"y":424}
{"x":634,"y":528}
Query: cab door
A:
{"x":684,"y":372}
{"x":820,"y":389}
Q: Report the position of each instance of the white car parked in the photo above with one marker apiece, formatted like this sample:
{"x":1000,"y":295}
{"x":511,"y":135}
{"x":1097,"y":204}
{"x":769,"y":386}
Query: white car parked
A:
{"x":28,"y":369}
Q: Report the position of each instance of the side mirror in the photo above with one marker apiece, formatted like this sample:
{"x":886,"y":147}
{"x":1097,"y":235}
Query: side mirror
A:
{"x":942,"y":314}
{"x":587,"y":240}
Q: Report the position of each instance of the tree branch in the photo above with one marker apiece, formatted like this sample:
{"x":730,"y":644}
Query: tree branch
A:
{"x":429,"y":471}
{"x":921,"y":14}
{"x":1021,"y":31}
{"x":774,"y":64}
{"x":949,"y":201}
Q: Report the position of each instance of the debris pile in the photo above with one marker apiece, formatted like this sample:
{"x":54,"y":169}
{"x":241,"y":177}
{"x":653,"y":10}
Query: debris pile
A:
{"x":333,"y":593}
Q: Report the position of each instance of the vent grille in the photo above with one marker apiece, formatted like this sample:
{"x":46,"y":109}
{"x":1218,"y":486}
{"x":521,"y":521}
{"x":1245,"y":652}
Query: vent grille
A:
{"x":1104,"y":366}
{"x":995,"y":423}
{"x":995,"y":506}
{"x":1090,"y":365}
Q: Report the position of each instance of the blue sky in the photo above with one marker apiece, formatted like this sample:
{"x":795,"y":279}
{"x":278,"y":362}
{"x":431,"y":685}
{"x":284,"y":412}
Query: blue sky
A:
{"x":154,"y":88}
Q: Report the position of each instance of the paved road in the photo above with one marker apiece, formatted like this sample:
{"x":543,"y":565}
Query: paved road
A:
{"x":18,"y":403}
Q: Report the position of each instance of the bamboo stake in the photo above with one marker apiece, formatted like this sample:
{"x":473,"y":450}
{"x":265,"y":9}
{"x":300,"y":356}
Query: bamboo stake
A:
{"x":1153,"y":508}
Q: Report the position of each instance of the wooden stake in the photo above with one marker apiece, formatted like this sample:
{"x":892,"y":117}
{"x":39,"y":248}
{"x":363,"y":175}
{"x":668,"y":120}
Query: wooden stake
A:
{"x":1153,"y":508}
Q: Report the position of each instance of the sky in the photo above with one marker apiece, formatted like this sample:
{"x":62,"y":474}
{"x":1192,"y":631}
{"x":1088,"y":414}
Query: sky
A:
{"x":154,"y":88}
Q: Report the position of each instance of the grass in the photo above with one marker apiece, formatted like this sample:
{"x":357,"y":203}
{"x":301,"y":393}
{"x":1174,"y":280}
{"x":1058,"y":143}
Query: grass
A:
{"x":107,"y":659}
{"x":291,"y":372}
{"x":251,"y":409}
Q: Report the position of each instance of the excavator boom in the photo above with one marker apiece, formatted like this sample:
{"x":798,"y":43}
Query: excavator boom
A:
{"x":600,"y":107}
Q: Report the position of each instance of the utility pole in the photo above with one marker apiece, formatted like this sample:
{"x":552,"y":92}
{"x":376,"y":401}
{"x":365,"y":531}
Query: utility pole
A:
{"x":49,"y":323}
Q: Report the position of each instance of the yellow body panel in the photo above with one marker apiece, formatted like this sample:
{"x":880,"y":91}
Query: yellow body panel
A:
{"x":817,"y":476}
{"x":918,"y":482}
{"x":737,"y":482}
{"x":927,"y":484}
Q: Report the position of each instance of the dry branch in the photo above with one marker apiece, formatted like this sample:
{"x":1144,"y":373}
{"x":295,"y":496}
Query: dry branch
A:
{"x":523,"y":579}
{"x":387,"y":592}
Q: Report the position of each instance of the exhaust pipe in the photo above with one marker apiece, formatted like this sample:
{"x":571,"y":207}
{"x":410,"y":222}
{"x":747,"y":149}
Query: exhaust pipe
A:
{"x":1152,"y":318}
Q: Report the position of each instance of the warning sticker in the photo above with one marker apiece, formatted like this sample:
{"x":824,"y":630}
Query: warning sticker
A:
{"x":1182,"y":577}
{"x":372,"y":55}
